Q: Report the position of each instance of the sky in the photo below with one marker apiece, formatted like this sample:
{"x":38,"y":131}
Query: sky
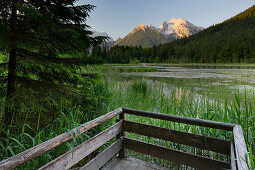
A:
{"x":119,"y":17}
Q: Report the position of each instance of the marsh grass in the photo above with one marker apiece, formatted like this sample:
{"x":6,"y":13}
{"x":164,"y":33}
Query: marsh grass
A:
{"x":64,"y":123}
{"x":139,"y":87}
{"x":136,"y":69}
{"x":183,"y":100}
{"x":22,"y":136}
{"x":126,"y":69}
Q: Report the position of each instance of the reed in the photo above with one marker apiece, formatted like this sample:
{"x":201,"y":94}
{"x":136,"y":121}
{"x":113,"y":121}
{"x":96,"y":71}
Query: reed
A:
{"x":183,"y":101}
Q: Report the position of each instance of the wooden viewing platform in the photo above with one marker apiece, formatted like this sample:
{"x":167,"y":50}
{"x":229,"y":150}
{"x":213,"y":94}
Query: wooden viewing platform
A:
{"x":235,"y":149}
{"x":130,"y":163}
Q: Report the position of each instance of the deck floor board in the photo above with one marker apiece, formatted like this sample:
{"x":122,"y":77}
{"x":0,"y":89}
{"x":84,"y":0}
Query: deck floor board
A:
{"x":130,"y":163}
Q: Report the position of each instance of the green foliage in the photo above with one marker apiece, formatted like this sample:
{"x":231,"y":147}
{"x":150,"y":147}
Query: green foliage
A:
{"x":2,"y":58}
{"x":252,"y":159}
{"x":134,"y":61}
{"x":47,"y":44}
{"x":139,"y":87}
{"x":135,"y":69}
{"x":3,"y":75}
{"x":123,"y":54}
{"x":67,"y":120}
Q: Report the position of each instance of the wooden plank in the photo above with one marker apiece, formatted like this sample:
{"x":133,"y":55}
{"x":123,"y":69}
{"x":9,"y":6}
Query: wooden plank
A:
{"x":130,"y":163}
{"x":203,"y":142}
{"x":174,"y":155}
{"x":35,"y":151}
{"x":100,"y":160}
{"x":232,"y":157}
{"x":240,"y":148}
{"x":191,"y":121}
{"x":72,"y":157}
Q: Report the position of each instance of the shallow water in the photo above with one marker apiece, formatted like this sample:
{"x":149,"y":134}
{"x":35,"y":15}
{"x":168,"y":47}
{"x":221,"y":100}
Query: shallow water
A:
{"x":212,"y":82}
{"x":245,"y":75}
{"x":237,"y":77}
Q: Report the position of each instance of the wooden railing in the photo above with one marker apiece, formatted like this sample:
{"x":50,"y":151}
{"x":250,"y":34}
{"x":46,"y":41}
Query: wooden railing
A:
{"x":236,"y":148}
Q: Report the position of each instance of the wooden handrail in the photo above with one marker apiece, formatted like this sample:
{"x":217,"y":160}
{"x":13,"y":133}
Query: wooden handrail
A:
{"x":236,"y":149}
{"x":186,"y":120}
{"x":239,"y":145}
{"x":38,"y":150}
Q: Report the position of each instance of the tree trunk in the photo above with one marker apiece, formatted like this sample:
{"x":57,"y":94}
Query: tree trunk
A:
{"x":9,"y":112}
{"x":11,"y":86}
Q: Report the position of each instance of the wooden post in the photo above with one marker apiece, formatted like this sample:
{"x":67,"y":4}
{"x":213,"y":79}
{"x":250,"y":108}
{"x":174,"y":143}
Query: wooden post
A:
{"x":122,"y":116}
{"x":240,"y":149}
{"x":232,"y":156}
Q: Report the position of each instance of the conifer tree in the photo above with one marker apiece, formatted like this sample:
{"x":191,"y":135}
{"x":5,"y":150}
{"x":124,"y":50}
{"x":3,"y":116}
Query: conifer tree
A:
{"x":45,"y":43}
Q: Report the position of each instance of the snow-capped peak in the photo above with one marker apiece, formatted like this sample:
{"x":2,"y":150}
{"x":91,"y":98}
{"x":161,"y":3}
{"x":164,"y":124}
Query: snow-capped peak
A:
{"x":175,"y":28}
{"x":97,"y":33}
{"x":152,"y":27}
{"x":172,"y":21}
{"x":164,"y":25}
{"x":180,"y":27}
{"x":142,"y":26}
{"x":180,"y":20}
{"x":165,"y":28}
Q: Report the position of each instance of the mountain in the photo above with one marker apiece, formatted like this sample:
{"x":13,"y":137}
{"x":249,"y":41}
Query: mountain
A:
{"x":97,"y":33}
{"x":143,"y":35}
{"x":232,"y":41}
{"x":178,"y":28}
{"x":148,"y":35}
{"x":109,"y":42}
{"x":117,"y":40}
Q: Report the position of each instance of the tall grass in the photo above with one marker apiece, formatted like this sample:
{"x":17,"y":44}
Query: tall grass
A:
{"x":129,"y":69}
{"x":22,"y":136}
{"x":16,"y":143}
{"x":181,"y":100}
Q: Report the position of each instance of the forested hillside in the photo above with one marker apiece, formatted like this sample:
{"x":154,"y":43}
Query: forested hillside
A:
{"x":231,"y":41}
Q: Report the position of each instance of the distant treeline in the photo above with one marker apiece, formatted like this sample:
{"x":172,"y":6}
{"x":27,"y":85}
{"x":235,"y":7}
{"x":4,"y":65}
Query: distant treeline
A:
{"x":231,"y":41}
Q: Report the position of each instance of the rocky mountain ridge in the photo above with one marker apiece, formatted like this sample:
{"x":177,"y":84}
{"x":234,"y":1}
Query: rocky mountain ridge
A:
{"x":149,"y":35}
